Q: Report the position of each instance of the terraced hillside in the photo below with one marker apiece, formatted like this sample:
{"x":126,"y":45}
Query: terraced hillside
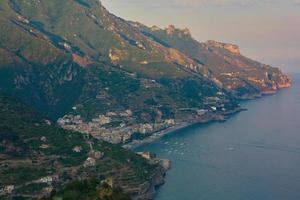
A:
{"x":36,"y":158}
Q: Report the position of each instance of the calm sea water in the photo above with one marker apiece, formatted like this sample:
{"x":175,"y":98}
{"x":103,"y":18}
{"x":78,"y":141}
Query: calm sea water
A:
{"x":253,"y":156}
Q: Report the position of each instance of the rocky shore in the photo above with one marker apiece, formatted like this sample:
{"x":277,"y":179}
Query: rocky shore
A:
{"x":147,"y":190}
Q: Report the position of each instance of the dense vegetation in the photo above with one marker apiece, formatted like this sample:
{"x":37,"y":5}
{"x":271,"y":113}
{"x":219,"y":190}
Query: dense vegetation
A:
{"x":31,"y":148}
{"x":91,"y":189}
{"x":88,"y":52}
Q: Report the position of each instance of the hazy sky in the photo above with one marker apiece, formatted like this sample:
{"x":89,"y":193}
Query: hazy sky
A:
{"x":266,"y":30}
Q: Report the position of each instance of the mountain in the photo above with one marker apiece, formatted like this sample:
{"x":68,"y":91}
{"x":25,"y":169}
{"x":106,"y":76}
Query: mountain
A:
{"x":239,"y":75}
{"x":117,"y":80}
{"x":38,"y":158}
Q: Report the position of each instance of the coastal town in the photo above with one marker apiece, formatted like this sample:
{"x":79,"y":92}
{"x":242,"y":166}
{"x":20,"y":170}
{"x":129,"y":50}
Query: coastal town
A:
{"x":121,"y":127}
{"x":109,"y":128}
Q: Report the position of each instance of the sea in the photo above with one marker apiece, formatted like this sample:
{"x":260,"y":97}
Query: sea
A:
{"x":254,"y":155}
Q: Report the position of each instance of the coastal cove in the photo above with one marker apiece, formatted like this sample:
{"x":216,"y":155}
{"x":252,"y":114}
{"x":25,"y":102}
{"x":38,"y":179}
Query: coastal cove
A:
{"x":98,"y":105}
{"x":252,"y":156}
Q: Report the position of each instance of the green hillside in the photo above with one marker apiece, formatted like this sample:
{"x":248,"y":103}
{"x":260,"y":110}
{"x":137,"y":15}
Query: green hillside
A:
{"x":74,"y":58}
{"x":97,"y":73}
{"x":54,"y":49}
{"x":37,"y":157}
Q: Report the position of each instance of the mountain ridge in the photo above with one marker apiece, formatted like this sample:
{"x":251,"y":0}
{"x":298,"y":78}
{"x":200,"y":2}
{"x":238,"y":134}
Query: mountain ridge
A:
{"x":107,"y":66}
{"x":222,"y":59}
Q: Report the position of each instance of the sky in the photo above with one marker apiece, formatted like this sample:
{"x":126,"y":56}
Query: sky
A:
{"x":265,"y":30}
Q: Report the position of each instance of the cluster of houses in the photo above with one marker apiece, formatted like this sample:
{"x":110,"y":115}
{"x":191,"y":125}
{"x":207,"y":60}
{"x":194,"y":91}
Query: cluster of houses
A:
{"x":91,"y":161}
{"x":120,"y":126}
{"x":47,"y":179}
{"x":112,"y":126}
{"x":151,"y":157}
{"x":8,"y":189}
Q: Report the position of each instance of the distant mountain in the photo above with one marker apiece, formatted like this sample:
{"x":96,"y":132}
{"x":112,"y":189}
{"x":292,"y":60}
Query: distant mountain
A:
{"x":37,"y":158}
{"x":239,"y":75}
{"x":119,"y":80}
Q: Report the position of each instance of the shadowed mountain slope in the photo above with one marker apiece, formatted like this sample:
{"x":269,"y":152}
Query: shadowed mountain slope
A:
{"x":98,"y":73}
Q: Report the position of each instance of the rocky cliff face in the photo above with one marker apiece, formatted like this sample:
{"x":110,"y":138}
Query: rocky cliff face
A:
{"x":229,"y":47}
{"x":229,"y":69}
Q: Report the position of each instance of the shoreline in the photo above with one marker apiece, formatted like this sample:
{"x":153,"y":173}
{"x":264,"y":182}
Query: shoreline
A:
{"x":209,"y":118}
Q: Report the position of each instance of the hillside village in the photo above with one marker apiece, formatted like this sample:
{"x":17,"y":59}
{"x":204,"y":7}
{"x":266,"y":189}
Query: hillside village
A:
{"x":123,"y":127}
{"x":112,"y":127}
